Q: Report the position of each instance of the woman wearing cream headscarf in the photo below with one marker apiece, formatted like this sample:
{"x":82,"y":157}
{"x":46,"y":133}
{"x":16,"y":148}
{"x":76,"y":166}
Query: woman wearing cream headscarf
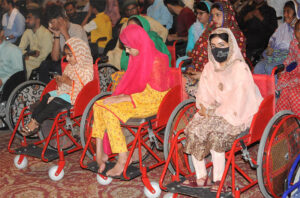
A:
{"x":78,"y":72}
{"x":227,"y":99}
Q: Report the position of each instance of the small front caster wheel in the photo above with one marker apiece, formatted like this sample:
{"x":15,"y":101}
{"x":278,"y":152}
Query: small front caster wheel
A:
{"x":22,"y":164}
{"x":52,"y":174}
{"x":169,"y":195}
{"x":103,"y":180}
{"x":157,"y":189}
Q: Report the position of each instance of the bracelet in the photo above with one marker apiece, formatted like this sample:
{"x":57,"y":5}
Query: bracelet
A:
{"x":56,"y":37}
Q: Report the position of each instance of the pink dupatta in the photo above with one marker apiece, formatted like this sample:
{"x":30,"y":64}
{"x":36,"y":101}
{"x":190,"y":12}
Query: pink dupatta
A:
{"x":149,"y":67}
{"x":229,"y":90}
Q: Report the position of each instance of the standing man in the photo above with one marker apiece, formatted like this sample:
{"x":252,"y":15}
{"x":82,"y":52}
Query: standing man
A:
{"x":13,"y":21}
{"x":38,"y":39}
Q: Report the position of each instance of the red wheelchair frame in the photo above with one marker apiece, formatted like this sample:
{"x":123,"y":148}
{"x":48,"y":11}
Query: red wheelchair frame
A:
{"x":266,"y":111}
{"x":86,"y":94}
{"x":154,"y":124}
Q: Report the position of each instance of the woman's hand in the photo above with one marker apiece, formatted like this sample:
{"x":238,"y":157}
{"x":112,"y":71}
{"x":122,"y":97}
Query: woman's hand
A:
{"x":269,"y":51}
{"x":203,"y":111}
{"x":195,"y":75}
{"x":117,"y":99}
{"x":63,"y":79}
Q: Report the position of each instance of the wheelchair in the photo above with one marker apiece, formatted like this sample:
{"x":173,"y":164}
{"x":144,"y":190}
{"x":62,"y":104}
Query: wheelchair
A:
{"x":8,"y":87}
{"x":147,"y":136}
{"x":27,"y":93}
{"x":51,"y":144}
{"x":293,"y":180}
{"x":180,"y":164}
{"x":279,"y":148}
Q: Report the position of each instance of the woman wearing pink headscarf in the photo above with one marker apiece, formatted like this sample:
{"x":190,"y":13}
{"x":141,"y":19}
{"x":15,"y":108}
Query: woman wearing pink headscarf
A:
{"x":139,"y":94}
{"x":227,"y":99}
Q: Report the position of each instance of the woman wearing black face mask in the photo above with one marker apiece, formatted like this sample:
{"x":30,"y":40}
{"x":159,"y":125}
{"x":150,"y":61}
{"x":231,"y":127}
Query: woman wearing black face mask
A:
{"x":227,"y":99}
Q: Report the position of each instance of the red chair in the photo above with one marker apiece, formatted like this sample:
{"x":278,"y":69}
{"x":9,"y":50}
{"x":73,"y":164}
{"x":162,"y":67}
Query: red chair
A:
{"x":179,"y":163}
{"x":172,"y":50}
{"x":63,"y":125}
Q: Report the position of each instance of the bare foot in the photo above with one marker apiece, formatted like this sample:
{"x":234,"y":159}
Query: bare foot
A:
{"x":101,"y":159}
{"x":120,"y":165}
{"x":101,"y":165}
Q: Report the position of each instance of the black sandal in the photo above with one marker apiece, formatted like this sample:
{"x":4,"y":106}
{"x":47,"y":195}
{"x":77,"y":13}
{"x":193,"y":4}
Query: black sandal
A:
{"x":25,"y":131}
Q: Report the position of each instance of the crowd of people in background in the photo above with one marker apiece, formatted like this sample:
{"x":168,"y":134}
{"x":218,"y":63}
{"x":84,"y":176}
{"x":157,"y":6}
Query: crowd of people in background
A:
{"x":218,"y":36}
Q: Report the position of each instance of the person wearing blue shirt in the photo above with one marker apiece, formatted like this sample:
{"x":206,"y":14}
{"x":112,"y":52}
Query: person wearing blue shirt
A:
{"x":160,"y":12}
{"x":10,"y":59}
{"x":13,"y":21}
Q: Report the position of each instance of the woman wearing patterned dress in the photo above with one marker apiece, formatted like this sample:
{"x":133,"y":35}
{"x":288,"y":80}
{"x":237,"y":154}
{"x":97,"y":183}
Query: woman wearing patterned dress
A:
{"x":222,"y":15}
{"x":78,"y":72}
{"x":227,"y":99}
{"x":289,"y":81}
{"x":139,"y":94}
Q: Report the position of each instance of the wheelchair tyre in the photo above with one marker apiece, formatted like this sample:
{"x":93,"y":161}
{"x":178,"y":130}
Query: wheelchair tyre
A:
{"x":86,"y":124}
{"x":105,"y":71}
{"x":52,"y":172}
{"x":169,"y":195}
{"x":275,"y":138}
{"x":103,"y":181}
{"x":23,"y":163}
{"x":65,"y":142}
{"x":179,"y":118}
{"x":23,"y":95}
{"x":157,"y":192}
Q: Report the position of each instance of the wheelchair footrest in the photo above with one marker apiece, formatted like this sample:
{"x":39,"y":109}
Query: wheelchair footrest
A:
{"x":175,"y":187}
{"x":35,"y":151}
{"x":132,"y":171}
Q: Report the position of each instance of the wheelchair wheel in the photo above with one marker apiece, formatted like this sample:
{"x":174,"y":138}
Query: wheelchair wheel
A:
{"x":86,"y":126}
{"x":279,"y":147}
{"x":105,"y":71}
{"x":178,"y":120}
{"x":23,"y":95}
{"x":65,"y":142}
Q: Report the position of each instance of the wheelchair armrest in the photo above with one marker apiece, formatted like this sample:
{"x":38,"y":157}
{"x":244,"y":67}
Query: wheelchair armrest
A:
{"x":101,"y":59}
{"x":243,"y":133}
{"x":278,"y":68}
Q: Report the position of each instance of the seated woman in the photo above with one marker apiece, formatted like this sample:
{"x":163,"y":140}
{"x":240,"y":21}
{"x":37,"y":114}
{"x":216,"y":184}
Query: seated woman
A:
{"x":289,"y":81}
{"x":222,"y":15}
{"x":278,"y":47}
{"x":78,"y":72}
{"x":227,"y":99}
{"x":139,"y":94}
{"x":158,"y":42}
{"x":202,"y":10}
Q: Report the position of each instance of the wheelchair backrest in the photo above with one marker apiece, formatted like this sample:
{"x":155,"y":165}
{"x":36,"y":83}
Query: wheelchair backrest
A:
{"x":172,"y":50}
{"x":266,"y":85}
{"x":90,"y":90}
{"x":87,"y":93}
{"x":168,"y":104}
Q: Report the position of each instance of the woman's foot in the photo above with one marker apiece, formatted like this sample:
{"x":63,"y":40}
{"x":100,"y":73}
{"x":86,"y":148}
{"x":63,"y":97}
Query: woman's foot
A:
{"x":31,"y":128}
{"x":120,"y":165}
{"x":215,"y":187}
{"x":204,"y":182}
{"x":101,"y":162}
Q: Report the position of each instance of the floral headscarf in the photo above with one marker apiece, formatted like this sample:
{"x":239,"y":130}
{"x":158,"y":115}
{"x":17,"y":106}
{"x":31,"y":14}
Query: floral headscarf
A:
{"x":82,"y":72}
{"x":199,"y":53}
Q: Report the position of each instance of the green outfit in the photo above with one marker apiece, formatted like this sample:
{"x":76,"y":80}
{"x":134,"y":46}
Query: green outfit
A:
{"x":159,"y":44}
